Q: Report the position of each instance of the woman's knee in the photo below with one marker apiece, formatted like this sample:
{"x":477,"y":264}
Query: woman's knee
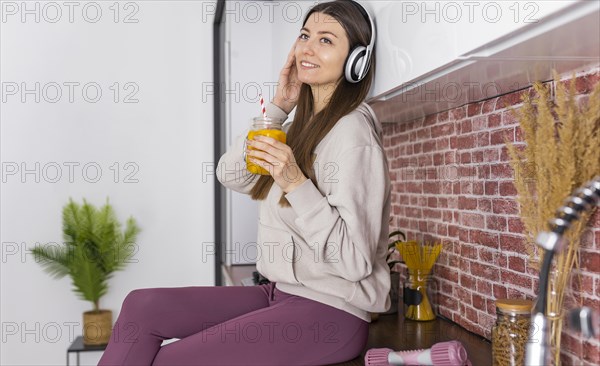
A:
{"x":139,"y":299}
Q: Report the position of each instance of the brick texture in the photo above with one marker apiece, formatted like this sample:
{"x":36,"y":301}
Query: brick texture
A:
{"x":452,"y":183}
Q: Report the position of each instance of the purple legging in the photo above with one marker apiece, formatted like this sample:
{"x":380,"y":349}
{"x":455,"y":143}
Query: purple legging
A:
{"x":254,"y":325}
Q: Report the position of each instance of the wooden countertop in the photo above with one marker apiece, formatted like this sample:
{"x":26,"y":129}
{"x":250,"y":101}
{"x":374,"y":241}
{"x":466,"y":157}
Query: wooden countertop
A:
{"x":393,"y":331}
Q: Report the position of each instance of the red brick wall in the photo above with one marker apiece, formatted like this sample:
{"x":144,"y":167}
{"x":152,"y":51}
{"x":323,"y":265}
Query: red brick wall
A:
{"x":452,"y":182}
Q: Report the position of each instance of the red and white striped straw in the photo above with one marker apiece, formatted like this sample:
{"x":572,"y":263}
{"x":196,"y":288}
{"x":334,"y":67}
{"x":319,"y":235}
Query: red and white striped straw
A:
{"x":262,"y":106}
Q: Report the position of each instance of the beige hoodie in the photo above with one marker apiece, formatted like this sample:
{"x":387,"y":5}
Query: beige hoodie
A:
{"x":330,"y":245}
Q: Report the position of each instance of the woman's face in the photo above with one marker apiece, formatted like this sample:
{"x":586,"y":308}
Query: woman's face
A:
{"x":321,"y":50}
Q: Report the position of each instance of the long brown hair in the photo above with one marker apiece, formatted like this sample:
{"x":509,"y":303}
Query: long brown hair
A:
{"x":303,"y":137}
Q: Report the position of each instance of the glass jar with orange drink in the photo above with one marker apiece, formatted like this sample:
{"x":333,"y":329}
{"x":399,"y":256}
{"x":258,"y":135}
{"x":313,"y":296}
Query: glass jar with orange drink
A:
{"x":265,"y":126}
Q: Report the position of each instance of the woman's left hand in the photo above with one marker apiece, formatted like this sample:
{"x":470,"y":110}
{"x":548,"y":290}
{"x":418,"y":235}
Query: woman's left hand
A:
{"x":278,"y":159}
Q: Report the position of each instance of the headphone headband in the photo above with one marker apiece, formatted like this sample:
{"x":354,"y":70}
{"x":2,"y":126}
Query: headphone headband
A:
{"x":366,"y":15}
{"x":360,"y":53}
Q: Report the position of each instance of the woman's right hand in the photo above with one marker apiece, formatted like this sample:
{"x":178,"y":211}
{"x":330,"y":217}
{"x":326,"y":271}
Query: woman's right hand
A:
{"x":288,"y":87}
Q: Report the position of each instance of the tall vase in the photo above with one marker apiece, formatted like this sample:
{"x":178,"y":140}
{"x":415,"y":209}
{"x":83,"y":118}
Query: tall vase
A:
{"x":558,"y":282}
{"x":556,"y":325}
{"x":416,"y":300}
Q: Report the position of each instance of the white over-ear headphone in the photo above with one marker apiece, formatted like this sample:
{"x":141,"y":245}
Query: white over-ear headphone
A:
{"x":359,"y":60}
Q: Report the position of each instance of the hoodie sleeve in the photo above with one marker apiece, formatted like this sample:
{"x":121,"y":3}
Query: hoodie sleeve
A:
{"x":345,"y":226}
{"x":231,"y":170}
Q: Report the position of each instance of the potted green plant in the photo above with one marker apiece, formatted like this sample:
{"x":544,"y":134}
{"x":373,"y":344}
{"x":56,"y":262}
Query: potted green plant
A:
{"x":392,"y":248}
{"x":94,"y":247}
{"x":394,"y":275}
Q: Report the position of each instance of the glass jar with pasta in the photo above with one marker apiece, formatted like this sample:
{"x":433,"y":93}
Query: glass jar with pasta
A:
{"x":511,"y":331}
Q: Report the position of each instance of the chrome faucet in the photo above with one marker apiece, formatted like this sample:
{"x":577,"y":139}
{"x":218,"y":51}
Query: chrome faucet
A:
{"x":537,"y":351}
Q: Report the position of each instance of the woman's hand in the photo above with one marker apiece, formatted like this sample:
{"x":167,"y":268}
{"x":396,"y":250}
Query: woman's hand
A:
{"x":278,"y":159}
{"x":288,"y":87}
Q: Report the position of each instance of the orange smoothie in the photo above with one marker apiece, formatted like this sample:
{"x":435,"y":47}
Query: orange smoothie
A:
{"x":276,"y":134}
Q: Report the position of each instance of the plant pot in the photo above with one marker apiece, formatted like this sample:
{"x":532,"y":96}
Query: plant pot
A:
{"x":97,"y":327}
{"x":395,"y":278}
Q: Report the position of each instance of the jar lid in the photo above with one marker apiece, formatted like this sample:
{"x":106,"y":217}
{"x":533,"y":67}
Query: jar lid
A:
{"x":514,"y":304}
{"x":268,"y":119}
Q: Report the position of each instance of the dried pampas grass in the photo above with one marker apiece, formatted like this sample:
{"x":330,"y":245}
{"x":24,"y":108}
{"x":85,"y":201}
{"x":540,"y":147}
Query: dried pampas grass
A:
{"x":561,"y":153}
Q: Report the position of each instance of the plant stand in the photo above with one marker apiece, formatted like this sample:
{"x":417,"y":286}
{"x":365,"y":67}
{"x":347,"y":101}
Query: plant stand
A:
{"x":77,"y":347}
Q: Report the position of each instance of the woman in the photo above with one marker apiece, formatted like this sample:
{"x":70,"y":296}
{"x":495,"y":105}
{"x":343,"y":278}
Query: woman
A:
{"x":322,"y":232}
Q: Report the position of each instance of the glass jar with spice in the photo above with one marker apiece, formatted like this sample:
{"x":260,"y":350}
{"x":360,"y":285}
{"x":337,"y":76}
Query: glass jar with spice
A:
{"x":511,"y":331}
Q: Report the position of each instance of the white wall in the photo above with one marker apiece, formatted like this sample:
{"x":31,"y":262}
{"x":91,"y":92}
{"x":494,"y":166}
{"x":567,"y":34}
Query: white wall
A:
{"x":167,"y":136}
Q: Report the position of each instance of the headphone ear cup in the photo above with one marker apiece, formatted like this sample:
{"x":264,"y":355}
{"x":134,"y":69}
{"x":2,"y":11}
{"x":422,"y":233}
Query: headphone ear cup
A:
{"x":354,"y":63}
